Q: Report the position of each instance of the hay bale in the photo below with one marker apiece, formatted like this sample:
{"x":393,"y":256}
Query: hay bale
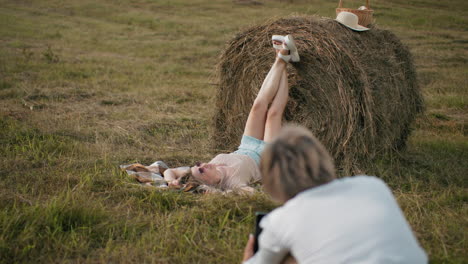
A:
{"x":356,"y":91}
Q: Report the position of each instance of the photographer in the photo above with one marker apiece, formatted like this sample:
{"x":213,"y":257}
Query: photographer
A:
{"x":324,"y":219}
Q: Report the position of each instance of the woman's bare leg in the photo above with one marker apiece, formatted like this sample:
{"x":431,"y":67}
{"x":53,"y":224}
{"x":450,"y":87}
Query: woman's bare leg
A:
{"x":275,"y":112}
{"x":255,"y":125}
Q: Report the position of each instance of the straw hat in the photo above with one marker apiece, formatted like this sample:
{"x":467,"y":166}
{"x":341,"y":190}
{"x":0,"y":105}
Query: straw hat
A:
{"x":350,"y":20}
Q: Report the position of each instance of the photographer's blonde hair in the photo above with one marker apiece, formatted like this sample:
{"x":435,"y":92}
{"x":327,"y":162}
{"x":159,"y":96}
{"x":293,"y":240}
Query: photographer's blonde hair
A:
{"x":293,"y":162}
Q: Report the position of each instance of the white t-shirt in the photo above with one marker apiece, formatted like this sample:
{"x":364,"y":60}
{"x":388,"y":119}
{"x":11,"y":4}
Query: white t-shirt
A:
{"x":349,"y":220}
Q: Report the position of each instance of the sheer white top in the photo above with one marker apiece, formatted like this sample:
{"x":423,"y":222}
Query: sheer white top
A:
{"x":237,"y":170}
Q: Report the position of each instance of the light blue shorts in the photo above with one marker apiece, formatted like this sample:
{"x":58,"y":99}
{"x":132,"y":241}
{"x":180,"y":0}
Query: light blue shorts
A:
{"x":251,"y":147}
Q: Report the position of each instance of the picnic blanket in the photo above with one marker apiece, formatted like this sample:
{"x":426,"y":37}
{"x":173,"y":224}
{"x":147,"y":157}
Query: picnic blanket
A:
{"x":147,"y":175}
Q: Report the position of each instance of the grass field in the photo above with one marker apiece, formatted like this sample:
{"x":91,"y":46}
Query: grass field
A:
{"x":88,"y":85}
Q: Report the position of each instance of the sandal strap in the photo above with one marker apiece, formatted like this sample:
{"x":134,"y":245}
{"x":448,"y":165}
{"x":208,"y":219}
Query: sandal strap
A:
{"x":278,"y":47}
{"x":278,"y":38}
{"x":286,"y":58}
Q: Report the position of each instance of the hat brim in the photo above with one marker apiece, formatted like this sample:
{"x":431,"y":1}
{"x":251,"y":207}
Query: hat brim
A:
{"x":358,"y":28}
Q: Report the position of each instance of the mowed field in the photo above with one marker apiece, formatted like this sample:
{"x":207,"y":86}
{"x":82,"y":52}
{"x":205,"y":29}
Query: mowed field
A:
{"x":88,"y":85}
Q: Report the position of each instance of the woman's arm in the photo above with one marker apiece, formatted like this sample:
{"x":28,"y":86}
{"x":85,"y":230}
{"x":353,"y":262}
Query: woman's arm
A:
{"x":173,"y":176}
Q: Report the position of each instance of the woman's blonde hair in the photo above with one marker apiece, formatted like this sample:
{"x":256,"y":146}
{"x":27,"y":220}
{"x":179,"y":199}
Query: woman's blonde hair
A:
{"x":293,"y":162}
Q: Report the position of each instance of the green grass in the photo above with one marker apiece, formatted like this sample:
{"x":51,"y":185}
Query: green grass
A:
{"x":88,"y":85}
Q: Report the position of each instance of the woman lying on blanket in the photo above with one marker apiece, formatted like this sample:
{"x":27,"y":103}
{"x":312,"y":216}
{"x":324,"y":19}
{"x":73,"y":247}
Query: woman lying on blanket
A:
{"x":238,"y":169}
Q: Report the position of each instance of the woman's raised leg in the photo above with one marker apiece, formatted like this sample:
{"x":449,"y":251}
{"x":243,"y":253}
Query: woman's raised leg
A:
{"x":274,"y":115}
{"x":255,"y":125}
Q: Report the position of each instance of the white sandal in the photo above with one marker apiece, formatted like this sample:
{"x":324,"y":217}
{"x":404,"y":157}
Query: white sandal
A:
{"x":291,"y":45}
{"x":288,"y":44}
{"x":279,"y":38}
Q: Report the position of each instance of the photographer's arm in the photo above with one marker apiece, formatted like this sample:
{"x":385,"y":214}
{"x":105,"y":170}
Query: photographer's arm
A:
{"x":265,"y":255}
